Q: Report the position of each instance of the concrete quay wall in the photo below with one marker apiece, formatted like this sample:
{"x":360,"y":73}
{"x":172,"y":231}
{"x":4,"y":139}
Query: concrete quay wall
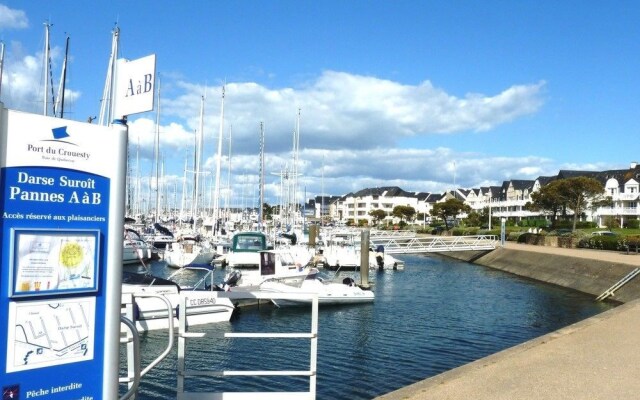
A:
{"x":593,"y":359}
{"x":587,"y":271}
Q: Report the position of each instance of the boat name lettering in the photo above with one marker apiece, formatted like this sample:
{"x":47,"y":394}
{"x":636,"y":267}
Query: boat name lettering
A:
{"x":202,"y":302}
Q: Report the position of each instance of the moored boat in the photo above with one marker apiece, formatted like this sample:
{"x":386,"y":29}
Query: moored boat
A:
{"x":135,"y":250}
{"x":189,"y":250}
{"x":151,"y":313}
{"x":328,"y":291}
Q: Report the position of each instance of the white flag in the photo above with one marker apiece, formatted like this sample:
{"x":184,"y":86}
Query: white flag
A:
{"x":135,"y":85}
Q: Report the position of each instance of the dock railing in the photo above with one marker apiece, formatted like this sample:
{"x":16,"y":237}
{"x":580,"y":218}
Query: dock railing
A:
{"x":436,"y":244}
{"x":130,"y":337}
{"x":185,"y":334}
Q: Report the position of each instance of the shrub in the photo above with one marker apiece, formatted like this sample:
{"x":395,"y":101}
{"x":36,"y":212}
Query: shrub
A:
{"x":604,"y":243}
{"x":514,"y":236}
{"x":633,"y":223}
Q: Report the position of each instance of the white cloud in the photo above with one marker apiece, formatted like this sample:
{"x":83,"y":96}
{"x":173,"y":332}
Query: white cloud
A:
{"x":22,"y":80}
{"x":12,"y":19}
{"x":349,"y":127}
{"x":342,"y":110}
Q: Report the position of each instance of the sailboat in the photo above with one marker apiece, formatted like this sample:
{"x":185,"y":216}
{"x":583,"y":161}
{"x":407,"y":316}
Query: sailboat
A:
{"x":189,"y":249}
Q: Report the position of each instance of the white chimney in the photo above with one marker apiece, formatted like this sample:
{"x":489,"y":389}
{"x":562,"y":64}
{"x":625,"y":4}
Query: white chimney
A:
{"x":634,"y":164}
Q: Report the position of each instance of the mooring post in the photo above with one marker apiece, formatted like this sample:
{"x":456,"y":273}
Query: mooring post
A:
{"x":364,"y":259}
{"x":313,"y":233}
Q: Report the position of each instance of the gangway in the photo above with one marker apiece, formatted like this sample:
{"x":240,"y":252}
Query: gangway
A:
{"x":184,"y":334}
{"x":435,"y":244}
{"x":387,"y":235}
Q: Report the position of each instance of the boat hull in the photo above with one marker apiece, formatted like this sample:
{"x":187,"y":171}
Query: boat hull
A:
{"x":151,"y":313}
{"x":177,"y":258}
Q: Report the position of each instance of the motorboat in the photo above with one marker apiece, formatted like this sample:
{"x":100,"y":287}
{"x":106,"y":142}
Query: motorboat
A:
{"x":341,"y":252}
{"x":245,"y":251}
{"x":380,"y":260}
{"x":135,"y":250}
{"x":189,"y":250}
{"x":272,"y":264}
{"x":328,"y":291}
{"x":150,"y":312}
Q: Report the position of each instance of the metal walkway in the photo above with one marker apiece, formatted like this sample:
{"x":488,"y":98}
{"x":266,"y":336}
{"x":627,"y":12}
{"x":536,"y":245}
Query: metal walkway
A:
{"x":435,"y":244}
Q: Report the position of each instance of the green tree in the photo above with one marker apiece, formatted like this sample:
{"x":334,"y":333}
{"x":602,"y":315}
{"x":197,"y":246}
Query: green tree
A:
{"x":474,"y":218}
{"x":377,"y":215}
{"x":449,"y":209}
{"x":580,"y":192}
{"x":267,"y":211}
{"x":575,"y":194}
{"x":548,"y":198}
{"x":404,"y":212}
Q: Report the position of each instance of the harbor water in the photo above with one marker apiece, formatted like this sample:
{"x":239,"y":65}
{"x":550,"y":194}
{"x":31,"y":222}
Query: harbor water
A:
{"x":435,"y":315}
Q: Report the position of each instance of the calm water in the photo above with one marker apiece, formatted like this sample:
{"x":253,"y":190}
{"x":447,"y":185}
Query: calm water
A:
{"x":435,"y":315}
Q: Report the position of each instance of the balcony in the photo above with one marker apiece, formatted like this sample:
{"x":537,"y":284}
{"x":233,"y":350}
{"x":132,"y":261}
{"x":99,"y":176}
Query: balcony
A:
{"x":619,"y":211}
{"x":625,"y":197}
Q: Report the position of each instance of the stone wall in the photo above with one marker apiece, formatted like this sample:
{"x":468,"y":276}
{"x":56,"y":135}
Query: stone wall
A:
{"x":585,"y":275}
{"x":552,"y":241}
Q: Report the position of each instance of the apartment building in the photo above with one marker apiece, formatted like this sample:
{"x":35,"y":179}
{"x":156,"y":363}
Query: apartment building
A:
{"x":622,"y":187}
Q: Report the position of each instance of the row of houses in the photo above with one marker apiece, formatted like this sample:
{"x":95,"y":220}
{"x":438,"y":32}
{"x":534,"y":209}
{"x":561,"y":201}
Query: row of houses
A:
{"x":507,"y":200}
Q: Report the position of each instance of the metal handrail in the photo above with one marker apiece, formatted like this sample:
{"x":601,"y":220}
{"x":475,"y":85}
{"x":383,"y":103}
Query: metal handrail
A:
{"x":609,"y":292}
{"x":136,"y":368}
{"x":184,"y":334}
{"x":136,"y":358}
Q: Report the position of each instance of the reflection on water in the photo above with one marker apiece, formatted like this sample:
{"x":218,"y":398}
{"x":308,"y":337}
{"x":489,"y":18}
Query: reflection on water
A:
{"x":435,"y":315}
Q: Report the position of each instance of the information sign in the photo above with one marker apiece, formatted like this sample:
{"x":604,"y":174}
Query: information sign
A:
{"x":61,"y":227}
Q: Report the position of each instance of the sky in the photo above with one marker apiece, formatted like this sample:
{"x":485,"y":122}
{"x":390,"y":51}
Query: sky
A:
{"x":424,"y":95}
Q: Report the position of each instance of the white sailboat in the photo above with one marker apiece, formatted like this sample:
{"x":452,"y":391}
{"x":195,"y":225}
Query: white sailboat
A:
{"x":189,"y":249}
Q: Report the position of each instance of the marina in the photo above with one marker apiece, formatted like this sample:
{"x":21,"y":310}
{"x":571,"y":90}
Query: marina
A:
{"x":155,"y":246}
{"x":435,"y":315}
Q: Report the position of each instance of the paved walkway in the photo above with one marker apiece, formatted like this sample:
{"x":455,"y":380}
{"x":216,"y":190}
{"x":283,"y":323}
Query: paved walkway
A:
{"x":598,"y":358}
{"x":613,"y":256}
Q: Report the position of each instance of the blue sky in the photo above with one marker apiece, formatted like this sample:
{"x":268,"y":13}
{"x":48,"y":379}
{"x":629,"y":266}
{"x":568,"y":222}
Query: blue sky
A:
{"x":423,"y":95}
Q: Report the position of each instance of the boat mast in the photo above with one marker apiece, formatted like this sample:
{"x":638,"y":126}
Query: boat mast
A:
{"x":1,"y":66}
{"x":216,"y":198}
{"x":296,"y":149}
{"x":261,"y":188}
{"x":197,"y":165}
{"x":184,"y":189}
{"x":59,"y":103}
{"x":106,"y":106}
{"x":322,"y":196}
{"x":46,"y":67}
{"x":227,"y":200}
{"x":156,"y":154}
